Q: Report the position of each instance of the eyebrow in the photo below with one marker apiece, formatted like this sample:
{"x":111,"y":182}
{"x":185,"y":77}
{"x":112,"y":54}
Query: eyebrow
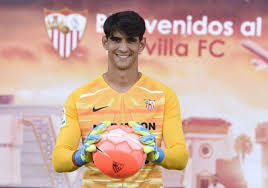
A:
{"x":133,"y":39}
{"x":115,"y":38}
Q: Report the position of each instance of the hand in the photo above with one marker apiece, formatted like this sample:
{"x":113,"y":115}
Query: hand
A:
{"x":154,"y":153}
{"x":81,"y":156}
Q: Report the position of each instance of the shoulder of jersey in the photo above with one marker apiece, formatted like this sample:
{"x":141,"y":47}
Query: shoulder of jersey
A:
{"x":153,"y":84}
{"x":92,"y":86}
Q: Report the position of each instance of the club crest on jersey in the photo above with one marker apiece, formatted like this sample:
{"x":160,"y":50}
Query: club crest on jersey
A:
{"x":149,"y":104}
{"x":65,"y":29}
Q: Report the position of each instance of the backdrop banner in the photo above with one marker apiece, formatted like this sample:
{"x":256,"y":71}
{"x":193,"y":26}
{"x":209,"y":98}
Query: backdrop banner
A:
{"x":214,"y":54}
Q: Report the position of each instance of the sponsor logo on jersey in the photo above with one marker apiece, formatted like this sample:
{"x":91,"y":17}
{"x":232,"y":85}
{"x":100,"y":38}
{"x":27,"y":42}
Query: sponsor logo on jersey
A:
{"x":65,"y":29}
{"x":149,"y":104}
{"x":97,"y":109}
{"x":147,"y":125}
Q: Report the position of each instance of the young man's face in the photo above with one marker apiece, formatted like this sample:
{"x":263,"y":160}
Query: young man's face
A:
{"x":123,"y":50}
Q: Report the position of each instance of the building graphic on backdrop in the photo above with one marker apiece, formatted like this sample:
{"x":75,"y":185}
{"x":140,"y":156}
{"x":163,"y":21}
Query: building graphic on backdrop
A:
{"x":65,"y":29}
{"x":209,"y":144}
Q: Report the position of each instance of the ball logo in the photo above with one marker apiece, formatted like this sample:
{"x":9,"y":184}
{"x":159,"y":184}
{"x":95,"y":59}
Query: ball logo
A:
{"x":117,"y":166}
{"x":65,"y":29}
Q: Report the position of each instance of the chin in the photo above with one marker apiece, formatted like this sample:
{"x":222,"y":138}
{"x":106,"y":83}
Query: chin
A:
{"x":123,"y":67}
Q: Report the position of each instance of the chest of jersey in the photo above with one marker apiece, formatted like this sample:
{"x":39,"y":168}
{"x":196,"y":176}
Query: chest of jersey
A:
{"x":120,"y":108}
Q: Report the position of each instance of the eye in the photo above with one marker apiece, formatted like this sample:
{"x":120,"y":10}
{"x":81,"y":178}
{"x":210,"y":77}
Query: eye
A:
{"x":115,"y":39}
{"x":132,"y":40}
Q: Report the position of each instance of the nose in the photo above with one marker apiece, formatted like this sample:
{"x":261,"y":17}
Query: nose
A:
{"x":123,"y":47}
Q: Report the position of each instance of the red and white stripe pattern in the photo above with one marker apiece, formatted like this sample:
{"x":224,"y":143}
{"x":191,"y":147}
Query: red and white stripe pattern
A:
{"x":64,"y":43}
{"x":149,"y":104}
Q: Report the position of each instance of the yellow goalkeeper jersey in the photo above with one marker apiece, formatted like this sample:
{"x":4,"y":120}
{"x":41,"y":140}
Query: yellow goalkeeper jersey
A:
{"x":148,"y":102}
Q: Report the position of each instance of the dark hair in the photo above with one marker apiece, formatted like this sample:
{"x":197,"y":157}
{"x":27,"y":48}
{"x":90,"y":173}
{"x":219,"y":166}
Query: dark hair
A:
{"x":128,"y":22}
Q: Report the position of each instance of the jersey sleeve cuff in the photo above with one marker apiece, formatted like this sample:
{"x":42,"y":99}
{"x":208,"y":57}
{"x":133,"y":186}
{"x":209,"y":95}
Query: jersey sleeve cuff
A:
{"x":77,"y":158}
{"x":161,"y":156}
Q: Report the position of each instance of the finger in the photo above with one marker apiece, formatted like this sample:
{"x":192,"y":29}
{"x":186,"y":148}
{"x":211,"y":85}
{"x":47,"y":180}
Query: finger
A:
{"x":148,"y":149}
{"x":149,"y":139}
{"x":100,"y":128}
{"x":152,"y":156}
{"x":91,"y":148}
{"x":133,"y":124}
{"x":84,"y":158}
{"x":139,"y":129}
{"x":107,"y":124}
{"x":92,"y":139}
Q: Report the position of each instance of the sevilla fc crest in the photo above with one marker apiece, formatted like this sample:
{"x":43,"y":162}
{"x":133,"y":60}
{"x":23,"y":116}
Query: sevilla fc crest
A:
{"x":65,"y":29}
{"x":149,"y":104}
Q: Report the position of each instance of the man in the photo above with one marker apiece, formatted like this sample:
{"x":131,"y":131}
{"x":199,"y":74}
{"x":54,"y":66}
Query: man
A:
{"x":122,"y":96}
{"x":215,"y":183}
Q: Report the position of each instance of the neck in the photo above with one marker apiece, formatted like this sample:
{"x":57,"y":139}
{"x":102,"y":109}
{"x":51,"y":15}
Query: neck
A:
{"x":121,"y":80}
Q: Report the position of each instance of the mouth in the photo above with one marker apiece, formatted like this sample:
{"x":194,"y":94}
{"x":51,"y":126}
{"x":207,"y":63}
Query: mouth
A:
{"x":123,"y":56}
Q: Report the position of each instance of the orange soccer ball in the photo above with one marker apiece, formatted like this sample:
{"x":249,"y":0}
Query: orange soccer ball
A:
{"x":119,"y":152}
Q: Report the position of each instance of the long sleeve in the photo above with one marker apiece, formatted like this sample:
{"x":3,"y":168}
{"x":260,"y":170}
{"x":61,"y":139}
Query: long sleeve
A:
{"x":67,"y":139}
{"x":176,"y":154}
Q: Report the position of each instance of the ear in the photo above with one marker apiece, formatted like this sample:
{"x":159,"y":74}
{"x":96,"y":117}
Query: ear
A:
{"x":105,"y":42}
{"x":142,"y":44}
